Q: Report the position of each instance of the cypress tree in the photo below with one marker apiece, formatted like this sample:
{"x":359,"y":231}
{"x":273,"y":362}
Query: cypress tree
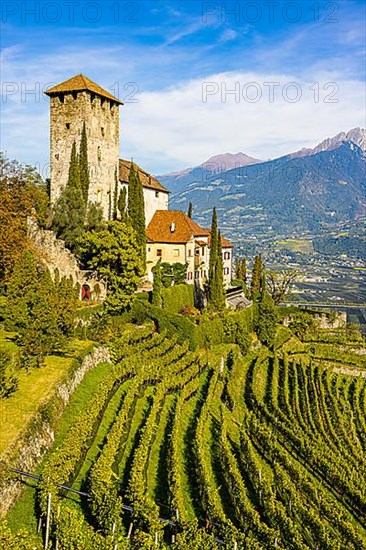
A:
{"x":219,"y":292}
{"x":157,"y":286}
{"x":256,"y":277}
{"x":136,"y":209}
{"x":121,"y":204}
{"x":83,"y":165}
{"x":70,"y":207}
{"x":190,"y":210}
{"x":213,"y":245}
{"x":115,"y":196}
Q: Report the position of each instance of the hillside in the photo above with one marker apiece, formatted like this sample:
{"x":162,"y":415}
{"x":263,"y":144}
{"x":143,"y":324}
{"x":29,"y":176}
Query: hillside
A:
{"x":214,"y":165}
{"x":195,"y":451}
{"x":286,"y":194}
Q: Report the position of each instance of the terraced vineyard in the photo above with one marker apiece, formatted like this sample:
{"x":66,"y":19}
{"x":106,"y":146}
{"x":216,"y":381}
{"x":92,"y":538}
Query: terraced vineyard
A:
{"x":207,"y":450}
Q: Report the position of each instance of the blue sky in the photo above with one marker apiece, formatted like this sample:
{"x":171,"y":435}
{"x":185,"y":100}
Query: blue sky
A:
{"x":175,"y":63}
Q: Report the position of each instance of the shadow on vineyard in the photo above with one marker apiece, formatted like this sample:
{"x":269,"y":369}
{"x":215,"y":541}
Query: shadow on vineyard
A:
{"x":208,"y":449}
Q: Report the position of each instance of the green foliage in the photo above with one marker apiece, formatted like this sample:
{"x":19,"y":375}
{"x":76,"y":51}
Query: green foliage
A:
{"x":41,"y":310}
{"x":83,"y":165}
{"x":157,"y":286}
{"x":22,"y":194}
{"x":70,"y":207}
{"x":216,"y":293}
{"x":176,"y":297}
{"x":136,"y":210}
{"x":113,"y":253}
{"x":9,"y":365}
{"x":22,"y":540}
{"x":302,"y":323}
{"x":190,"y":210}
{"x":257,"y":273}
{"x":94,"y":217}
{"x":122,"y":204}
{"x":266,"y":320}
{"x":241,"y":274}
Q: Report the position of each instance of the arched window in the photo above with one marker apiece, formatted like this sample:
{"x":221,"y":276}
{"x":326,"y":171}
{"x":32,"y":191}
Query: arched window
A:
{"x":85,"y":293}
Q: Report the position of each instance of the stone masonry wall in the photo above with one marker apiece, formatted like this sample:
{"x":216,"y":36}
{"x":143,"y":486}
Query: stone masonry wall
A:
{"x":56,"y":256}
{"x":68,"y":112}
{"x":29,"y":450}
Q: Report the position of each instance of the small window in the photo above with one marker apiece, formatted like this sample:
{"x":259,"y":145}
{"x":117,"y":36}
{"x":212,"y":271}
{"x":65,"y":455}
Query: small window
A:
{"x":67,"y":125}
{"x":203,"y":251}
{"x":75,"y":95}
{"x":189,"y":253}
{"x":57,"y":156}
{"x":156,"y":194}
{"x":99,"y":154}
{"x":176,"y":252}
{"x":189,"y":277}
{"x":149,"y":249}
{"x":226,"y":255}
{"x":226,"y":271}
{"x":159,"y":253}
{"x":102,"y":130}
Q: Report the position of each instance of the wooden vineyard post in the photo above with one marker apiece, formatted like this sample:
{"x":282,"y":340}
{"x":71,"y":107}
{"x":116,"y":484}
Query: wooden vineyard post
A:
{"x":48,"y":521}
{"x":130,"y":530}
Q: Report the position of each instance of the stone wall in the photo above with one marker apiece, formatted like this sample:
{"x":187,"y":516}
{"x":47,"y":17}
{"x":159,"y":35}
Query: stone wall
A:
{"x":68,"y":112}
{"x":29,"y":450}
{"x":56,"y":256}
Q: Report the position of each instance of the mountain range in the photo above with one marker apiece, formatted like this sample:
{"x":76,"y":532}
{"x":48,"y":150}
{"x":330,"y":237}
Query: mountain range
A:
{"x":302,"y":191}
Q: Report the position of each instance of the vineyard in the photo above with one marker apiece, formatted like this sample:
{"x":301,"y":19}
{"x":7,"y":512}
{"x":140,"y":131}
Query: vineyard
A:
{"x":210,"y":449}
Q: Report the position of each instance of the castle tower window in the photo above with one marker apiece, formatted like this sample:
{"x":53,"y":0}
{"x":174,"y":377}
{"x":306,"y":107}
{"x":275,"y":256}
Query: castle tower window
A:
{"x":102,"y":131}
{"x":99,"y":154}
{"x":67,"y":125}
{"x":75,"y":95}
{"x":159,"y":253}
{"x":61,"y":98}
{"x":57,"y":156}
{"x":156,"y":194}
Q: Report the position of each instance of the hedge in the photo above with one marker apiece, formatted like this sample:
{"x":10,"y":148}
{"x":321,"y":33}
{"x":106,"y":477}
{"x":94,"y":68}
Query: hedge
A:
{"x":177,"y":296}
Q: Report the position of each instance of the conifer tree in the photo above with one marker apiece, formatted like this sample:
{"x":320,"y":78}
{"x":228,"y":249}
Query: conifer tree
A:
{"x":213,"y":246}
{"x":190,"y":210}
{"x":70,"y":207}
{"x":136,"y":209}
{"x":219,"y":292}
{"x":121,"y":204}
{"x":256,"y":277}
{"x":83,"y":165}
{"x":157,"y":285}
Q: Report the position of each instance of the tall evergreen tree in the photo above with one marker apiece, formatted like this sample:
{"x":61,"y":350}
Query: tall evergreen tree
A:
{"x":219,"y":291}
{"x":70,"y":207}
{"x":213,"y":246}
{"x":84,"y":165}
{"x":256,"y":277}
{"x":121,"y":204}
{"x":136,"y":209}
{"x":190,"y":210}
{"x":157,"y":286}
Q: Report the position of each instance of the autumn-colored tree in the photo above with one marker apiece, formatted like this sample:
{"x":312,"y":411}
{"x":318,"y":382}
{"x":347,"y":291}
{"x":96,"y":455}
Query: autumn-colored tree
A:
{"x":22,"y":193}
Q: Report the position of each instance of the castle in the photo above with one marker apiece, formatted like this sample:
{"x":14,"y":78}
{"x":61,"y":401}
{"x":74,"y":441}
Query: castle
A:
{"x":171,"y":235}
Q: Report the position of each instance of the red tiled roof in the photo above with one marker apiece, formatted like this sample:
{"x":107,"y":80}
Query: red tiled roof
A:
{"x":146,"y":179}
{"x":159,"y":229}
{"x":80,"y":83}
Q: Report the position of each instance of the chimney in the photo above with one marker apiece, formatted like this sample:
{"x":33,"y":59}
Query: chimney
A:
{"x":172,"y":227}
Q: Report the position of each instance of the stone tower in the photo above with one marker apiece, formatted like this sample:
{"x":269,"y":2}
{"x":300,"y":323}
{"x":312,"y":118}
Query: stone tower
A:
{"x":73,"y":103}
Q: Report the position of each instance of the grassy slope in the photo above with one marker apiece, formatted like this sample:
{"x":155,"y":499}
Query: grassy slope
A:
{"x":22,"y":514}
{"x":34,"y":388}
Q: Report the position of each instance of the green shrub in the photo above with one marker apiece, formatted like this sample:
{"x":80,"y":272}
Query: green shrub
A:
{"x":176,"y":297}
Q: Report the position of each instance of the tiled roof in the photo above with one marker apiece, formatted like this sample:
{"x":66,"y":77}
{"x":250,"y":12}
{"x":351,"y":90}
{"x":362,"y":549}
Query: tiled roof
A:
{"x":159,"y":229}
{"x":80,"y":83}
{"x":146,"y":179}
{"x":224,"y":242}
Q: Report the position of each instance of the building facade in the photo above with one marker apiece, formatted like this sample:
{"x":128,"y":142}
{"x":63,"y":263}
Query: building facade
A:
{"x":173,"y":237}
{"x":73,"y":103}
